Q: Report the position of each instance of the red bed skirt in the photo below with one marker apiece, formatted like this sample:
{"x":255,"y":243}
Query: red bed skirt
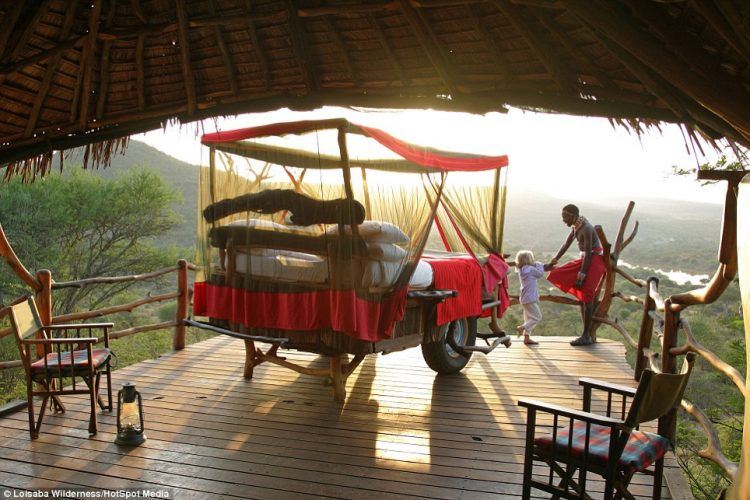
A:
{"x":339,"y":310}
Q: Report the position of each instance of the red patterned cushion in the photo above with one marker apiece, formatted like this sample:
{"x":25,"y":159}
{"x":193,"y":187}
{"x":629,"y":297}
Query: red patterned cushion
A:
{"x":98,"y":356}
{"x":642,"y":449}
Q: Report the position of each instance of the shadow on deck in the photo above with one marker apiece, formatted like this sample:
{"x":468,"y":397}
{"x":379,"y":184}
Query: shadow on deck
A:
{"x":402,"y":432}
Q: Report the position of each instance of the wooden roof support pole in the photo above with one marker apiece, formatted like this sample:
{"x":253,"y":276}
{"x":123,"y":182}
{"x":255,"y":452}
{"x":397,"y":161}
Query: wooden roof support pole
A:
{"x":724,"y":27}
{"x":551,"y":25}
{"x":225,"y":56}
{"x":187,"y":72}
{"x":139,"y":72}
{"x":344,"y":52}
{"x":87,"y":59}
{"x":304,"y":58}
{"x":652,"y":54}
{"x":430,"y":44}
{"x":104,"y":66}
{"x":20,"y":42}
{"x":6,"y":27}
{"x":42,"y":56}
{"x":50,"y":71}
{"x":680,"y":104}
{"x":348,"y":9}
{"x":500,"y":60}
{"x":262,"y":60}
{"x":544,"y":52}
{"x":387,"y":49}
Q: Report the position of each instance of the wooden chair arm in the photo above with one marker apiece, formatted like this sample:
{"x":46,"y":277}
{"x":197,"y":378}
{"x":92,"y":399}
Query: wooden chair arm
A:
{"x":570,"y":413}
{"x":607,"y":386}
{"x":71,"y":340}
{"x":81,"y":326}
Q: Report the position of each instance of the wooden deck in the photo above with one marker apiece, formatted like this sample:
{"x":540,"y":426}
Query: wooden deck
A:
{"x":403,"y":432}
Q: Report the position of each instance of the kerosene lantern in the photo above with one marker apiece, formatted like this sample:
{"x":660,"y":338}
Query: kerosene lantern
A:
{"x":129,"y":416}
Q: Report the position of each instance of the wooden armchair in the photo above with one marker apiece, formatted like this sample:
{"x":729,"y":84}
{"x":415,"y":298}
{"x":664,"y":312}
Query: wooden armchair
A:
{"x":609,"y":445}
{"x":56,"y":355}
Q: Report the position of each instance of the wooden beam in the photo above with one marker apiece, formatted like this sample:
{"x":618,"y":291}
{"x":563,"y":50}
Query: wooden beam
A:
{"x":187,"y":72}
{"x":139,"y":72}
{"x":367,"y":8}
{"x":682,"y":105}
{"x":650,"y":52}
{"x":135,"y":6}
{"x":430,"y":44}
{"x":20,"y":42}
{"x":104,"y":65}
{"x":712,"y":13}
{"x":7,"y":69}
{"x":87,"y":60}
{"x":492,"y":46}
{"x":259,"y":52}
{"x":225,"y":56}
{"x":387,"y":49}
{"x":50,"y":71}
{"x":6,"y":27}
{"x":541,"y":49}
{"x":304,"y":59}
{"x":563,"y":38}
{"x":339,"y":41}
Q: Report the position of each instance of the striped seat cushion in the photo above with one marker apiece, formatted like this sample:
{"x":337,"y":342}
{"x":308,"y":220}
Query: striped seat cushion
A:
{"x":642,"y":449}
{"x":98,"y":357}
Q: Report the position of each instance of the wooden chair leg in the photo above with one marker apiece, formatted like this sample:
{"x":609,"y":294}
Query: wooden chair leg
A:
{"x":40,"y":417}
{"x":57,"y":404}
{"x":30,"y":408}
{"x":658,"y":475}
{"x":97,"y":386}
{"x":109,"y":387}
{"x":92,"y":397}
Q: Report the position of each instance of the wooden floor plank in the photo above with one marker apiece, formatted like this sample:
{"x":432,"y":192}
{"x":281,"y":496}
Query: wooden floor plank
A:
{"x":403,"y":432}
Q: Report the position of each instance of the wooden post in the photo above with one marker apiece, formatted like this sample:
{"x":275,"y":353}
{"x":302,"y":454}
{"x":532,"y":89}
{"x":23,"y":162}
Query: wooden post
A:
{"x":647,"y":328}
{"x":44,"y":301}
{"x":337,"y":378}
{"x":668,"y":423}
{"x":178,"y":342}
{"x":741,"y":485}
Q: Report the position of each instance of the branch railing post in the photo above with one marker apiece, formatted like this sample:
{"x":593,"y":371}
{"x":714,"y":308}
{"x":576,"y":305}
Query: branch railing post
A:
{"x":178,"y":342}
{"x":668,"y":423}
{"x":647,"y":329}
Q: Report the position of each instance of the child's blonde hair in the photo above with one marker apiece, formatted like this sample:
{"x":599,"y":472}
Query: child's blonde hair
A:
{"x":524,"y":258}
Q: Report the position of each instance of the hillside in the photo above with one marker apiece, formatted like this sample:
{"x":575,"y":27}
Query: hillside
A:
{"x":672,"y":234}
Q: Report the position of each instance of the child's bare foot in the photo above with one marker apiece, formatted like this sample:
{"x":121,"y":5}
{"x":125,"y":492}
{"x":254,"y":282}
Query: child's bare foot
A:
{"x":527,"y":340}
{"x":519,"y":330}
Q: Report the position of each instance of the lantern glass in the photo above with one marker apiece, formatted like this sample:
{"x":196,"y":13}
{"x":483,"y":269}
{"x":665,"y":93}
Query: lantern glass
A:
{"x":129,"y":416}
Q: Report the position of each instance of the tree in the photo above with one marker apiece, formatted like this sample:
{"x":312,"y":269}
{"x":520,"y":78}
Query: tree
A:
{"x":80,"y":225}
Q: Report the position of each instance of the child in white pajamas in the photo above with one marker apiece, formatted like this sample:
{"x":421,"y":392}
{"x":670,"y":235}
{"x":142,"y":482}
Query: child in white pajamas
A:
{"x":529,"y":272}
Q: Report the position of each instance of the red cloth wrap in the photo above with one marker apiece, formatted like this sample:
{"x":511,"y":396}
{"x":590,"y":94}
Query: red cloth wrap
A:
{"x":340,"y":310}
{"x":565,"y":276}
{"x":464,"y":275}
{"x":495,"y":273}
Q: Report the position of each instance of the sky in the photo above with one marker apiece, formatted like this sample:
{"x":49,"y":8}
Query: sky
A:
{"x":571,"y":158}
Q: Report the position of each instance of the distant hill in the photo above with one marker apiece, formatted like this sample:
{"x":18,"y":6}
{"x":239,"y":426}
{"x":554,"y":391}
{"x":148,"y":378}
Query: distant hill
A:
{"x":672,"y":234}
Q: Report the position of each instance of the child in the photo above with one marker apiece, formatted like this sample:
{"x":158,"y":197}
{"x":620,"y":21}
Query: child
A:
{"x":528,"y":272}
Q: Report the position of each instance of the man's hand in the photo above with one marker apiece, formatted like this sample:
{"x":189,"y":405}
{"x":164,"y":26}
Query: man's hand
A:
{"x":550,"y":265}
{"x":580,"y":280}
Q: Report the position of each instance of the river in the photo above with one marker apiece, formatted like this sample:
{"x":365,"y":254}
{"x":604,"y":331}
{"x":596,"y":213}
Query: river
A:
{"x":679,"y":277}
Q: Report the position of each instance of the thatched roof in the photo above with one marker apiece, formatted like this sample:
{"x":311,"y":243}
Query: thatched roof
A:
{"x":74,"y":72}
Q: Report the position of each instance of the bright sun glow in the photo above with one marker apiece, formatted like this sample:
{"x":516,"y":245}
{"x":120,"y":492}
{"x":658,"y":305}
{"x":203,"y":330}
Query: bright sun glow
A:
{"x":578,"y":159}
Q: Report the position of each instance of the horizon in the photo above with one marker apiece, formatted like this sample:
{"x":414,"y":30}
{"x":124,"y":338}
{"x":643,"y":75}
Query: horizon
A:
{"x":642,"y":164}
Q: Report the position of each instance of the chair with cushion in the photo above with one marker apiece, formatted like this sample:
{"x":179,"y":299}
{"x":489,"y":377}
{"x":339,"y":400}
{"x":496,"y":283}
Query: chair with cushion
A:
{"x":58,"y":361}
{"x":609,"y":445}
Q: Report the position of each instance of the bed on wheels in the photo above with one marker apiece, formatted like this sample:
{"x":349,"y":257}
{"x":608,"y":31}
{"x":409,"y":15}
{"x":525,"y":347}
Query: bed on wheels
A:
{"x":337,"y":254}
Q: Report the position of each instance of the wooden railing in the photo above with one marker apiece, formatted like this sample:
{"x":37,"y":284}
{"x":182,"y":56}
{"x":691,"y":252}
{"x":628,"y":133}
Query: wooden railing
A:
{"x":42,"y":286}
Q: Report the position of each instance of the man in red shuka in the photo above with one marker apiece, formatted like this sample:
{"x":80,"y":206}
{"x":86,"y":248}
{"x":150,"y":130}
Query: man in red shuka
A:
{"x":580,"y":277}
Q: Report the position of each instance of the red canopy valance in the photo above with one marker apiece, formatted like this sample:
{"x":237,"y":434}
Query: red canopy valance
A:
{"x":426,"y":157}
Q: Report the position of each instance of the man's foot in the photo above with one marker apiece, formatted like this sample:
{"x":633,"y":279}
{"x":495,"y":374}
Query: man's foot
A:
{"x":582,"y":340}
{"x":519,"y":331}
{"x":529,"y":341}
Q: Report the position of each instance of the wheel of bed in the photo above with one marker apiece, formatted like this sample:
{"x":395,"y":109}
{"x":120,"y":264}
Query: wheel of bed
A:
{"x":446,"y":356}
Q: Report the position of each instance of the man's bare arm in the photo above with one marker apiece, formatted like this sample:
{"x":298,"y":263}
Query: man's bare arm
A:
{"x":561,"y":252}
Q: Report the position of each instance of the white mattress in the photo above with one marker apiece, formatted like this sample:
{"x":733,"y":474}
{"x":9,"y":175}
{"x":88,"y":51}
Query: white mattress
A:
{"x":307,"y":268}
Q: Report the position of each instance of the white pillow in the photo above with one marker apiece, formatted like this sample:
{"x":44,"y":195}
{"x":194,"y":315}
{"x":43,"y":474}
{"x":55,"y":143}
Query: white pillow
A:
{"x":257,"y":224}
{"x":386,"y":252}
{"x":375,"y":231}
